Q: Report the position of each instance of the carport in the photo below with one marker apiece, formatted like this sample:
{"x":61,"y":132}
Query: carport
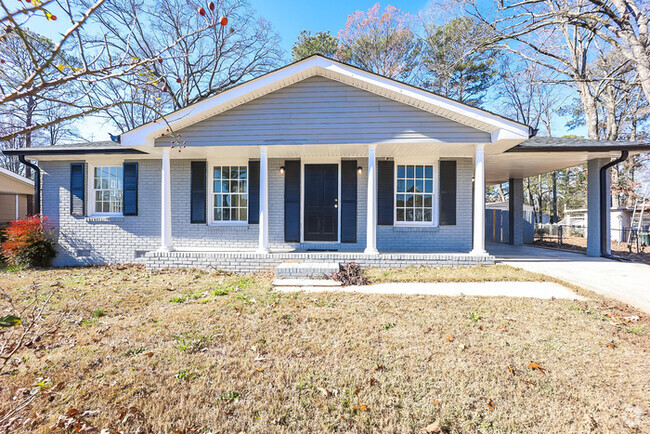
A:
{"x":539,"y":155}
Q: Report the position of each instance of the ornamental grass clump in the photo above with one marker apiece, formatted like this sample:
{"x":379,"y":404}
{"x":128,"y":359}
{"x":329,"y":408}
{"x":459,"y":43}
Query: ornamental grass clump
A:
{"x":28,"y":244}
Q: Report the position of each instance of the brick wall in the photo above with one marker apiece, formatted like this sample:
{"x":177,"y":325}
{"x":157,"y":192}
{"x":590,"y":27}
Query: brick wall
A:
{"x":92,"y":240}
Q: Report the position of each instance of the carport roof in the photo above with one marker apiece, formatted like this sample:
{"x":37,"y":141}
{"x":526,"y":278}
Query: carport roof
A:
{"x":570,"y":144}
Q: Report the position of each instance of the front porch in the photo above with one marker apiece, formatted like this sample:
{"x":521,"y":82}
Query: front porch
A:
{"x":256,"y":262}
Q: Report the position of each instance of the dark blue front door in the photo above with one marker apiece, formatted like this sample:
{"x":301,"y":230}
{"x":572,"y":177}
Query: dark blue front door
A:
{"x":321,"y":202}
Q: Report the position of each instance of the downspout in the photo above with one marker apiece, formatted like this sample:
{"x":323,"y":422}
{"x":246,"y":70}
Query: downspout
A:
{"x":604,"y":203}
{"x":37,"y":183}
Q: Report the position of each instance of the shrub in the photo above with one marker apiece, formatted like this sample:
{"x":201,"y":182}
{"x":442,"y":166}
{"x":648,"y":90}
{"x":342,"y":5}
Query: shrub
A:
{"x":28,"y":244}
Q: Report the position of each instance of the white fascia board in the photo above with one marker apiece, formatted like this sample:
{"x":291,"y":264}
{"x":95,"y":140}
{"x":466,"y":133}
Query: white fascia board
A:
{"x":16,"y":177}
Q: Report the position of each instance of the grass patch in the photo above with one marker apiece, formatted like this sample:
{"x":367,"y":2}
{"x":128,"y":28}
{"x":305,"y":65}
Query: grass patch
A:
{"x":259,"y":361}
{"x":478,"y":273}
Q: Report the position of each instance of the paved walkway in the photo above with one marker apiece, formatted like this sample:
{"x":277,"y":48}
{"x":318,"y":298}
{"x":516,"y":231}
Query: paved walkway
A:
{"x":624,"y":281}
{"x":489,"y":289}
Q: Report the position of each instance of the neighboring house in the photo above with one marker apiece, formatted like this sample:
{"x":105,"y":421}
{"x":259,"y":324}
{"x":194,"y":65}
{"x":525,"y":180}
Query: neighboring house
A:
{"x":16,"y":193}
{"x":316,"y":161}
{"x":620,"y":221}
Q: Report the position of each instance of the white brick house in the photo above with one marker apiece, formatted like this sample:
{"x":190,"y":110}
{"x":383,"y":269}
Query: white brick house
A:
{"x":316,"y":159}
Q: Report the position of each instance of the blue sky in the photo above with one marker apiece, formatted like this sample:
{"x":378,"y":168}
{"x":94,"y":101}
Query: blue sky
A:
{"x":289,"y":17}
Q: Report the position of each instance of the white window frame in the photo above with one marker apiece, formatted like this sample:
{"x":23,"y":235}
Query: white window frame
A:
{"x":435,"y":203}
{"x":90,"y":179}
{"x":211,"y":164}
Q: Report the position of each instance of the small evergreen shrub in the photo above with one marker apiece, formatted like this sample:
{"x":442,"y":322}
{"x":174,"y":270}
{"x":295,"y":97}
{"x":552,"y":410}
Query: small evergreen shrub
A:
{"x":27,"y":243}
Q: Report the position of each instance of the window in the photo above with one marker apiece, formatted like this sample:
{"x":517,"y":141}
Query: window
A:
{"x":107,"y":188}
{"x":230,"y":190}
{"x":414,"y":194}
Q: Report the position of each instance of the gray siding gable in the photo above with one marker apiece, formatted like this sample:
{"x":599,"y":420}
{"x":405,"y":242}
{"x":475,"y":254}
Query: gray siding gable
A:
{"x":319,"y":110}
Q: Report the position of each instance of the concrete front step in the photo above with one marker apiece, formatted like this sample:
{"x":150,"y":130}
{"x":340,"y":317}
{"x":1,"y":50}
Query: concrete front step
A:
{"x":300,"y":283}
{"x":302,"y":270}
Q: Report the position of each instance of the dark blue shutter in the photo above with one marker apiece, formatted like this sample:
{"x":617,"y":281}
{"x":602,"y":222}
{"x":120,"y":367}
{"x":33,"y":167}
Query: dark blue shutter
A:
{"x":292,"y":201}
{"x":349,"y":201}
{"x":385,"y":192}
{"x":448,"y":193}
{"x":253,"y":192}
{"x":130,"y":188}
{"x":77,"y":189}
{"x":198,"y":181}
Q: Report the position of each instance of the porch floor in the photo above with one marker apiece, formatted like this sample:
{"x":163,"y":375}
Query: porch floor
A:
{"x":250,"y":261}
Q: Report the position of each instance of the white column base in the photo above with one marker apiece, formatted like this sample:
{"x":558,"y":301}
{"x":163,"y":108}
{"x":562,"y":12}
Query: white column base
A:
{"x":479,"y":252}
{"x":371,"y":251}
{"x":263,"y":250}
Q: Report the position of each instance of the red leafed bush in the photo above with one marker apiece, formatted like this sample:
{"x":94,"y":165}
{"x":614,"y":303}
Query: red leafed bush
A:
{"x":27,"y":243}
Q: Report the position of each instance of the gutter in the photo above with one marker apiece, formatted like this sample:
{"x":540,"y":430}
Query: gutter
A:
{"x":604,"y":205}
{"x":37,"y":183}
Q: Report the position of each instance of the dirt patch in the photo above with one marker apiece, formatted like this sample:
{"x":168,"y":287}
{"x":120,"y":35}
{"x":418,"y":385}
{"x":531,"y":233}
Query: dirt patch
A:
{"x":197,"y":351}
{"x":579,"y":244}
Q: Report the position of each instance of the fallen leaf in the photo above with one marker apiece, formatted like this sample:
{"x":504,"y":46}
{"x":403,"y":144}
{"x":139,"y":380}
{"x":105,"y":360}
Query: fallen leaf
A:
{"x":259,"y":369}
{"x":535,"y":365}
{"x":511,"y":369}
{"x":434,"y":402}
{"x":450,"y":338}
{"x":379,"y":367}
{"x":372,"y":382}
{"x":149,"y":354}
{"x":491,"y":405}
{"x":362,"y":407}
{"x":433,"y":428}
{"x":357,"y":390}
{"x":611,"y":345}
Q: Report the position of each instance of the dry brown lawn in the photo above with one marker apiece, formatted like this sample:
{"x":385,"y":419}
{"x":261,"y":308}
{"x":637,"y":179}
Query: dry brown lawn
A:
{"x":191,"y":351}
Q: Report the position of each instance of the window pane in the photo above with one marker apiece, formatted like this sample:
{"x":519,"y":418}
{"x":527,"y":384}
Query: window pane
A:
{"x":427,"y":201}
{"x":410,"y":171}
{"x":419,"y":171}
{"x":418,"y":200}
{"x":243,"y":172}
{"x":235,"y":200}
{"x":428,"y":215}
{"x":234,"y":214}
{"x":217,"y":173}
{"x":243,"y":214}
{"x":418,"y":215}
{"x":401,"y":186}
{"x":400,"y":200}
{"x":419,"y":186}
{"x":225,"y":186}
{"x":428,"y":172}
{"x":409,"y":200}
{"x":226,"y":214}
{"x":242,"y":186}
{"x":410,"y":185}
{"x":400,"y":215}
{"x":428,"y":186}
{"x":226,"y":201}
{"x":217,"y":186}
{"x":401,"y":171}
{"x":409,"y":215}
{"x":243,"y":200}
{"x":217,"y":214}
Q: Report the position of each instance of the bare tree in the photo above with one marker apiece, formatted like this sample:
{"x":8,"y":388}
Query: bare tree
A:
{"x":199,"y":65}
{"x":383,"y":43}
{"x":98,"y":60}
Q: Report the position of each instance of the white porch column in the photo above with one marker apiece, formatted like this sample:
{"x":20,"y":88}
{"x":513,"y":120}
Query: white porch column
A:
{"x":516,"y":211}
{"x":371,"y":209}
{"x":264,"y":202}
{"x":166,"y":204}
{"x":593,"y":206}
{"x":478,"y":246}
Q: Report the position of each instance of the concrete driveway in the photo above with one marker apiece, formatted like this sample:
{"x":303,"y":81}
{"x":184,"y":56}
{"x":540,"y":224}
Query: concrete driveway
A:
{"x":624,"y":281}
